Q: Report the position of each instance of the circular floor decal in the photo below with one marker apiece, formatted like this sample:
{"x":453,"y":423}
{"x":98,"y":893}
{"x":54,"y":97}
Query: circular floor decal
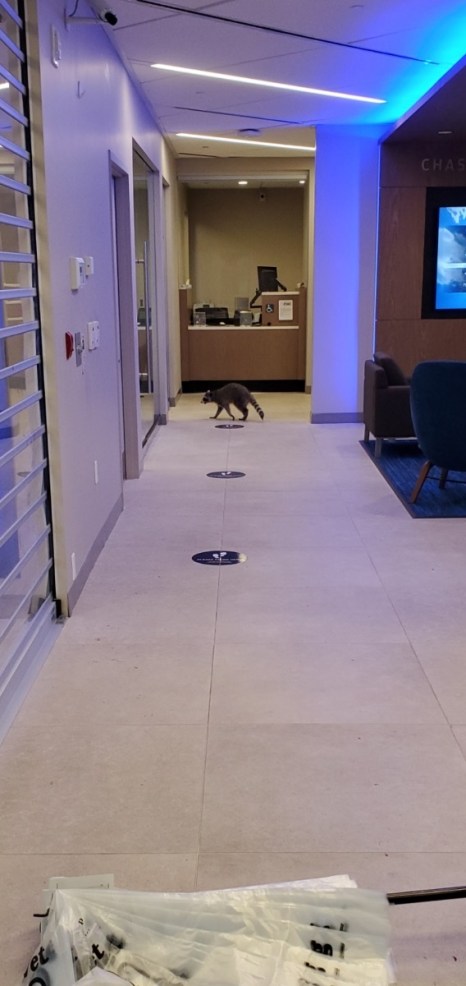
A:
{"x":226,"y":474}
{"x":219,"y":557}
{"x":229,"y":426}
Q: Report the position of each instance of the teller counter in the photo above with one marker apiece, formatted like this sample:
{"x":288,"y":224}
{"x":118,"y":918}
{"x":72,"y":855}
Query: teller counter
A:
{"x":274,"y":352}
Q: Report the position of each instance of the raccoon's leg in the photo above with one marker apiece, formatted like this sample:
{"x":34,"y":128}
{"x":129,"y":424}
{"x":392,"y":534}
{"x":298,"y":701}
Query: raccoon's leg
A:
{"x":245,"y":412}
{"x":213,"y":416}
{"x":227,"y":409}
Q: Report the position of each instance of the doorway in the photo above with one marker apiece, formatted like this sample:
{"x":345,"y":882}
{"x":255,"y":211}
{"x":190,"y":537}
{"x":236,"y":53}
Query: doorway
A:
{"x":144,"y":280}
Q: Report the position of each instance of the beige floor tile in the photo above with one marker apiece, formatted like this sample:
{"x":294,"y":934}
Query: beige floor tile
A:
{"x":157,"y":610}
{"x":359,"y":788}
{"x":349,"y":683}
{"x":242,"y":500}
{"x":95,"y":789}
{"x":302,"y":567}
{"x":345,"y":614}
{"x":114,"y":683}
{"x":436,"y":610}
{"x":387,"y":872}
{"x":293,"y":531}
{"x":459,"y":732}
{"x":445,"y":668}
{"x":408,"y":566}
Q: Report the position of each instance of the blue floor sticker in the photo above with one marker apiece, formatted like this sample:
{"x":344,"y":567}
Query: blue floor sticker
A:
{"x":219,"y":557}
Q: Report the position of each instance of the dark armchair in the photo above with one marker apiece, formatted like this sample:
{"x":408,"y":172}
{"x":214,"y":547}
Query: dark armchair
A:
{"x":386,"y":410}
{"x":438,"y":403}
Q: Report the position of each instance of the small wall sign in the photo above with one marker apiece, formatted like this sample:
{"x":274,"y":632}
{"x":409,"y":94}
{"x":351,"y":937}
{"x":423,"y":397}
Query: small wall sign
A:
{"x":285,"y":310}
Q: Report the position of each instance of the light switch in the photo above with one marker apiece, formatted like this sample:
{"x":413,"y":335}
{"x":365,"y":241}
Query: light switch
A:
{"x":77,"y":274}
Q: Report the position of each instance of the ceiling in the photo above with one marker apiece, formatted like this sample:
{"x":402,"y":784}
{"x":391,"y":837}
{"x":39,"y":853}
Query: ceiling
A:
{"x":391,"y":50}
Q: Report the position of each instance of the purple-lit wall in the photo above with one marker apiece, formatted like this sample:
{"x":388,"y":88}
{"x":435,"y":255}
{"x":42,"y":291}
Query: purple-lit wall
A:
{"x":89,"y":108}
{"x":346,"y":194}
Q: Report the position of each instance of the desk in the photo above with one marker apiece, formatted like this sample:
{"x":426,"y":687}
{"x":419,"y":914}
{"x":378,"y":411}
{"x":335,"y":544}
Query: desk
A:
{"x":242,"y":352}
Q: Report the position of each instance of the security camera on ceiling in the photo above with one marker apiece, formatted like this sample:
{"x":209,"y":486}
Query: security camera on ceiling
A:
{"x":103,"y":14}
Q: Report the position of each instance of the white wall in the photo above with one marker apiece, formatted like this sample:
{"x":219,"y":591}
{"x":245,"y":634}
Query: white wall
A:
{"x":89,"y":108}
{"x":346,"y":195}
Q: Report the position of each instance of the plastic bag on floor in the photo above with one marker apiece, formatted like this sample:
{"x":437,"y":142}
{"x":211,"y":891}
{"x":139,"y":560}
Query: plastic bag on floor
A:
{"x":100,"y":977}
{"x":308,"y":932}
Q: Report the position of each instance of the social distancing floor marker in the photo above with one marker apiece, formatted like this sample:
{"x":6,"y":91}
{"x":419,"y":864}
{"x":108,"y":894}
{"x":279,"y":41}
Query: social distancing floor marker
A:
{"x":219,"y":557}
{"x":229,"y":426}
{"x":226,"y":474}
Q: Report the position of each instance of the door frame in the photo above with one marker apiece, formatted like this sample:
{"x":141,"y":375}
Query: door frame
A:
{"x":125,"y":313}
{"x":157,"y":287}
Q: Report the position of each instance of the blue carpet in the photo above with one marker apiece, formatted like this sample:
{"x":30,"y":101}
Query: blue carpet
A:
{"x":400,"y":463}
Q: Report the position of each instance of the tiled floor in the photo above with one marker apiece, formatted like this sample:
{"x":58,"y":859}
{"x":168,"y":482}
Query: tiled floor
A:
{"x":301,"y":714}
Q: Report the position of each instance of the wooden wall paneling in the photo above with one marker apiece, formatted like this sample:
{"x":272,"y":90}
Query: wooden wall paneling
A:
{"x":423,"y":165}
{"x":411,"y":342}
{"x":247,"y":354}
{"x":407,"y":170}
{"x":400,"y":261}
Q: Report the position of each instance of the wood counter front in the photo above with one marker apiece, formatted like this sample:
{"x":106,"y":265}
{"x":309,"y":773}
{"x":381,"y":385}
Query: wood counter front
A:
{"x":242,"y":352}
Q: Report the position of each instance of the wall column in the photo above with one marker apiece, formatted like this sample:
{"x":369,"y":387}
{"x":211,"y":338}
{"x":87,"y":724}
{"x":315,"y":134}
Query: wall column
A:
{"x":346,"y":197}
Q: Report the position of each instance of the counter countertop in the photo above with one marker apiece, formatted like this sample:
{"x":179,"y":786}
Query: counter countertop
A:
{"x":241,"y":328}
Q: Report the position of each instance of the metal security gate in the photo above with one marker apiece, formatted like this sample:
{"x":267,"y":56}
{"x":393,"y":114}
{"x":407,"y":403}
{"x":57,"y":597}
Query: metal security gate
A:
{"x":26,"y":592}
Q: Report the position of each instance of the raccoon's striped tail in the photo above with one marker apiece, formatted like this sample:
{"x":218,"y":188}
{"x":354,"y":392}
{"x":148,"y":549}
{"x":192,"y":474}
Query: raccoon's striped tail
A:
{"x":257,"y":408}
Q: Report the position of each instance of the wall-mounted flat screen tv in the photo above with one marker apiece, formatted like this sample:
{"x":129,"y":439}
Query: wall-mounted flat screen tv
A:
{"x":444,"y":283}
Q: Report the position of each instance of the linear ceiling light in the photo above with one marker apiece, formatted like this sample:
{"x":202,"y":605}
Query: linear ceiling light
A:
{"x":262,"y":82}
{"x":254,"y":143}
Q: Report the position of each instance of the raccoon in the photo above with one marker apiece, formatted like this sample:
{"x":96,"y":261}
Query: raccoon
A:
{"x":232,"y":393}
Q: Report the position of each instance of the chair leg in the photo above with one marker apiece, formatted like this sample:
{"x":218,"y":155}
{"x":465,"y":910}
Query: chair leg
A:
{"x":443,"y":478}
{"x":425,"y":469}
{"x":366,"y":434}
{"x":378,"y":448}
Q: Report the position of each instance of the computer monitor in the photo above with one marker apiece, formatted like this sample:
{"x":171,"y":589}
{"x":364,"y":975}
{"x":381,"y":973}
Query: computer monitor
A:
{"x":267,"y":280}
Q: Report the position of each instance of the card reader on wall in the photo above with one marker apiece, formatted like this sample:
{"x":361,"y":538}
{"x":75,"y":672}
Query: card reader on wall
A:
{"x":77,"y":273}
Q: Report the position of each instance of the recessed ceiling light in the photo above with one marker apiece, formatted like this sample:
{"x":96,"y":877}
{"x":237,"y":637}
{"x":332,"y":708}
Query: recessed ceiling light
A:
{"x":242,"y":182}
{"x":263,"y":82}
{"x":4,"y":85}
{"x":249,"y":143}
{"x":302,"y":181}
{"x":444,"y":131}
